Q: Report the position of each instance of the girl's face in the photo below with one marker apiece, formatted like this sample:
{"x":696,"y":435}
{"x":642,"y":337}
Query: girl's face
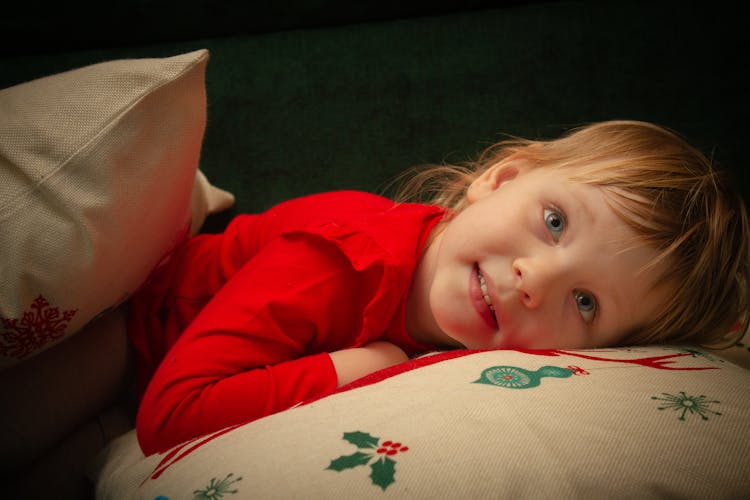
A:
{"x":535,"y":261}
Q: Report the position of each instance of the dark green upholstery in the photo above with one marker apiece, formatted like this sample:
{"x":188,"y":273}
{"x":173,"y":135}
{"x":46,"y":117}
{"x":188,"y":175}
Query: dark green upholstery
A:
{"x":356,"y":93}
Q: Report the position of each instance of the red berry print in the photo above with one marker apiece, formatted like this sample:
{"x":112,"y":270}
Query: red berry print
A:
{"x":382,"y":465}
{"x":390,"y":448}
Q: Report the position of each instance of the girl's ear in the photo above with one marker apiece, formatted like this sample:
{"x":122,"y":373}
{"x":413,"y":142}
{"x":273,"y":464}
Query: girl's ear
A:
{"x":491,"y":179}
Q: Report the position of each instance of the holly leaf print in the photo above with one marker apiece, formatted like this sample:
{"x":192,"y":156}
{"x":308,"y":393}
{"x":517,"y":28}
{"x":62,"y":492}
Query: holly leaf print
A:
{"x":383,"y":472}
{"x":349,"y":461}
{"x":361,"y":439}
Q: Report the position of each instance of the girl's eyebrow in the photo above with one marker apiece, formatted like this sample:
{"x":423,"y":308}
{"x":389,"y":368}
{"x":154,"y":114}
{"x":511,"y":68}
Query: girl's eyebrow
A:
{"x":614,"y":313}
{"x":580,"y":206}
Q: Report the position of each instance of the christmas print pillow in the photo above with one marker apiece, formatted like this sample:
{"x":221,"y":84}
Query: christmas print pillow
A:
{"x":650,"y":422}
{"x":739,"y":353}
{"x":97,"y":166}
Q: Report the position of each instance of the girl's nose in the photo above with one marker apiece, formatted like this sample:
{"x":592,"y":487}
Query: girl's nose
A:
{"x":533,"y":280}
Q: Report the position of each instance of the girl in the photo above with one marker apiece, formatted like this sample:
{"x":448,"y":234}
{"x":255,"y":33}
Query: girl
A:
{"x":618,"y":233}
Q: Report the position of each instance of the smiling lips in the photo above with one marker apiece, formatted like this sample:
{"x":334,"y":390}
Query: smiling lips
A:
{"x":485,"y":293}
{"x":482,"y":300}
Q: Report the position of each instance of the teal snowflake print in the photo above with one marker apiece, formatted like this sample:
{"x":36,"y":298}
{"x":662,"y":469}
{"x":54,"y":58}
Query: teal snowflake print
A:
{"x":217,"y":489}
{"x":380,"y":457}
{"x":687,"y":405}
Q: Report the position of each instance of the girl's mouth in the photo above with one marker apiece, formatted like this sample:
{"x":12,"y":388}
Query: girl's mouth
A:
{"x":489,"y":314}
{"x":485,"y":293}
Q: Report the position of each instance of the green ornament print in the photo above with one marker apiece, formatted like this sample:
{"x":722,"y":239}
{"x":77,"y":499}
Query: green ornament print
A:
{"x":370,"y":451}
{"x":512,"y":377}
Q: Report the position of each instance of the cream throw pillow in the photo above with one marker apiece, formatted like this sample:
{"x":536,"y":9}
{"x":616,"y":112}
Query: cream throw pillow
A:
{"x":644,"y":422}
{"x":97,"y":166}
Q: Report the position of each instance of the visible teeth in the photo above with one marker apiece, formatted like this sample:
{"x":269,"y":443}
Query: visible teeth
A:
{"x":485,"y":293}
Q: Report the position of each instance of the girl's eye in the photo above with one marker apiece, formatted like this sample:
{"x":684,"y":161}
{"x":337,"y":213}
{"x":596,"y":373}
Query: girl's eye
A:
{"x":586,"y":304}
{"x":555,"y":221}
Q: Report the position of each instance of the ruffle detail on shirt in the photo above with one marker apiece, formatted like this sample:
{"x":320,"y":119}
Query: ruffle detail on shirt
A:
{"x":367,"y":252}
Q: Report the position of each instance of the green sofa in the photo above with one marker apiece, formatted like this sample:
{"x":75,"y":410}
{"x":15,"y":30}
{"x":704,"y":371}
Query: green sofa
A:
{"x":310,"y":96}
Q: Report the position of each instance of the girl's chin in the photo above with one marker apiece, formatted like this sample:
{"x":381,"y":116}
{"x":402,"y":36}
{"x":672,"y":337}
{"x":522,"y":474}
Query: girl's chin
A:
{"x":489,"y":341}
{"x":477,"y":335}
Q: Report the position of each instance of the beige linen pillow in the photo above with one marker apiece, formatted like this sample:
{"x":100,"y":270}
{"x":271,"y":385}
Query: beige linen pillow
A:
{"x":620,"y":423}
{"x":97,"y":166}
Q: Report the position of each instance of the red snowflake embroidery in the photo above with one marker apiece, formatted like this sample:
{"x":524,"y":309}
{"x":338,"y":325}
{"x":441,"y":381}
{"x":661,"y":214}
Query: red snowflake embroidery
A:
{"x":40,"y":325}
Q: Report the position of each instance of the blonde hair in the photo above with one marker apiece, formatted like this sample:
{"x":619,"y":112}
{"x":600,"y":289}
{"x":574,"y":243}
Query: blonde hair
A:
{"x":663,"y":188}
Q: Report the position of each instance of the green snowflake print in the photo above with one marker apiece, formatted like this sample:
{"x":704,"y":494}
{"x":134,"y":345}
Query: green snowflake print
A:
{"x":512,"y":377}
{"x":371,"y":451}
{"x":217,"y":489}
{"x":687,"y":405}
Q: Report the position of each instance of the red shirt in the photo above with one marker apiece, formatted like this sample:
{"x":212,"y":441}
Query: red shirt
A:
{"x":240,"y":324}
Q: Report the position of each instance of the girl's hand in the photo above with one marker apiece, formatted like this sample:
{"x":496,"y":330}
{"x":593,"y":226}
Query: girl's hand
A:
{"x":354,"y":363}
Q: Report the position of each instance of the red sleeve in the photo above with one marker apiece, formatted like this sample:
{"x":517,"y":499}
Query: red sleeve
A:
{"x":180,"y":287}
{"x":250,"y":351}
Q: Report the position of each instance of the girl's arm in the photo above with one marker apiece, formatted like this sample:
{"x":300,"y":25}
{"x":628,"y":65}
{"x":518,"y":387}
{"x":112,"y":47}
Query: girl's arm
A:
{"x":355,"y":363}
{"x":247,"y":353}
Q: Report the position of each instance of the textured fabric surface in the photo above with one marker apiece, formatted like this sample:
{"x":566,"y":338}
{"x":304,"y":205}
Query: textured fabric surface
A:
{"x":657,"y":422}
{"x":96,"y":171}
